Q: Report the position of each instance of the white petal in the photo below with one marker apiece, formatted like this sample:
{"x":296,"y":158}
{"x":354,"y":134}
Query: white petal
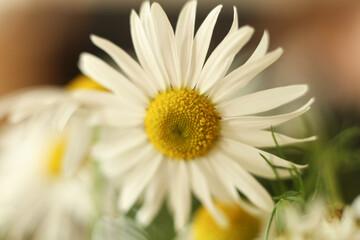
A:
{"x":154,"y":196}
{"x":98,"y":70}
{"x":223,"y":68}
{"x":136,"y":182}
{"x":201,"y":45}
{"x":180,"y":196}
{"x":78,"y":146}
{"x":184,"y":37}
{"x":102,"y":99}
{"x":261,"y":49}
{"x":121,"y":118}
{"x":227,"y":49}
{"x":119,"y":165}
{"x":201,"y":191}
{"x":240,"y":77}
{"x":167,"y":43}
{"x":262,"y":101}
{"x":145,"y":53}
{"x":63,"y":114}
{"x":124,"y":141}
{"x":264,"y":122}
{"x":246,"y":183}
{"x":261,"y":138}
{"x":130,"y":67}
{"x":218,"y":180}
{"x":250,"y":159}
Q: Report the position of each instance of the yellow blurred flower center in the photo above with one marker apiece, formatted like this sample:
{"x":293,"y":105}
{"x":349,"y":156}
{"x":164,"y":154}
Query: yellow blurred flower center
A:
{"x":54,"y":158}
{"x":83,"y":82}
{"x":182,"y":123}
{"x":242,"y":225}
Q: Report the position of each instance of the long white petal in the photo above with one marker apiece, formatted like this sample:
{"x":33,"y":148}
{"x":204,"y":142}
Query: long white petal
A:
{"x":184,"y":35}
{"x":218,"y":180}
{"x":136,"y":182}
{"x":240,"y":77}
{"x":246,"y":183}
{"x":130,"y":67}
{"x":124,"y":141}
{"x":101,"y":99}
{"x":250,"y":159}
{"x":78,"y":146}
{"x":262,"y":101}
{"x":227,"y":49}
{"x":144,"y":52}
{"x":201,"y":191}
{"x":98,"y":70}
{"x":119,"y":166}
{"x":154,"y":196}
{"x":261,"y":49}
{"x":121,"y":118}
{"x":201,"y":45}
{"x":167,"y":43}
{"x":180,"y":196}
{"x":264,"y":122}
{"x":262,"y":138}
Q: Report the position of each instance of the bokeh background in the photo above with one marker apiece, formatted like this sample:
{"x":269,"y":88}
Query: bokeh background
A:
{"x":40,"y":42}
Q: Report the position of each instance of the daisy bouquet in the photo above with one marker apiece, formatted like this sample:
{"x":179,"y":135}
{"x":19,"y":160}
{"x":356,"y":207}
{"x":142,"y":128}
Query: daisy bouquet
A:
{"x":164,"y":147}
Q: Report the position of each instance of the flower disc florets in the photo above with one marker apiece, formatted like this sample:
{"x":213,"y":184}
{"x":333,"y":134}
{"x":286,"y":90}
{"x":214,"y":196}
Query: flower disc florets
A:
{"x":182,"y":123}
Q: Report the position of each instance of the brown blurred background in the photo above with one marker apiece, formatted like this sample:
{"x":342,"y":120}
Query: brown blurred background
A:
{"x":40,"y":40}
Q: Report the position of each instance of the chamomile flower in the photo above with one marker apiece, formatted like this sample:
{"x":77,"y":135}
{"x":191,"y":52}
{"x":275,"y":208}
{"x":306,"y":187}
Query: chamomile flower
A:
{"x":319,"y":222}
{"x":175,"y":130}
{"x":55,"y":107}
{"x":38,"y":199}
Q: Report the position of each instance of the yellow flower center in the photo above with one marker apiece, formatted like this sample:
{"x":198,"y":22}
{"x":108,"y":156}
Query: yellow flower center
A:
{"x":54,"y":158}
{"x":242,"y":225}
{"x":83,"y":82}
{"x":182,"y":123}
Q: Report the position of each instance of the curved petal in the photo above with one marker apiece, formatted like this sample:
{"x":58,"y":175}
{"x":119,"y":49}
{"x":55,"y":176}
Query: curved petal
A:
{"x":118,"y":166}
{"x":179,"y":192}
{"x":264,"y":122}
{"x":201,"y":190}
{"x":98,"y":70}
{"x":130,"y":67}
{"x":240,"y":77}
{"x":201,"y":45}
{"x":101,"y":99}
{"x":261,"y":101}
{"x":166,"y":40}
{"x":184,"y":35}
{"x":246,"y":183}
{"x":145,"y":54}
{"x":111,"y":147}
{"x":138,"y":179}
{"x":250,"y":159}
{"x":227,"y":49}
{"x":155,"y":194}
{"x":261,"y":49}
{"x":262,"y":138}
{"x":120,"y":118}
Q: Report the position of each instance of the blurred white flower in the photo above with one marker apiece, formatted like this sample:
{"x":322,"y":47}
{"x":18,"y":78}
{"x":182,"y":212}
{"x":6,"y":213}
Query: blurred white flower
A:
{"x":38,"y":199}
{"x":55,"y":107}
{"x":174,"y":129}
{"x":319,"y":222}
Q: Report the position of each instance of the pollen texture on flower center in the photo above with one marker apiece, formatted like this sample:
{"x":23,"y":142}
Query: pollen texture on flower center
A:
{"x":182,"y":123}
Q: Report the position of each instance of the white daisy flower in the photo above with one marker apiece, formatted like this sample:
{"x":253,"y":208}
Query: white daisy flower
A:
{"x":175,"y":131}
{"x":38,"y":200}
{"x":54,"y":106}
{"x":319,"y":222}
